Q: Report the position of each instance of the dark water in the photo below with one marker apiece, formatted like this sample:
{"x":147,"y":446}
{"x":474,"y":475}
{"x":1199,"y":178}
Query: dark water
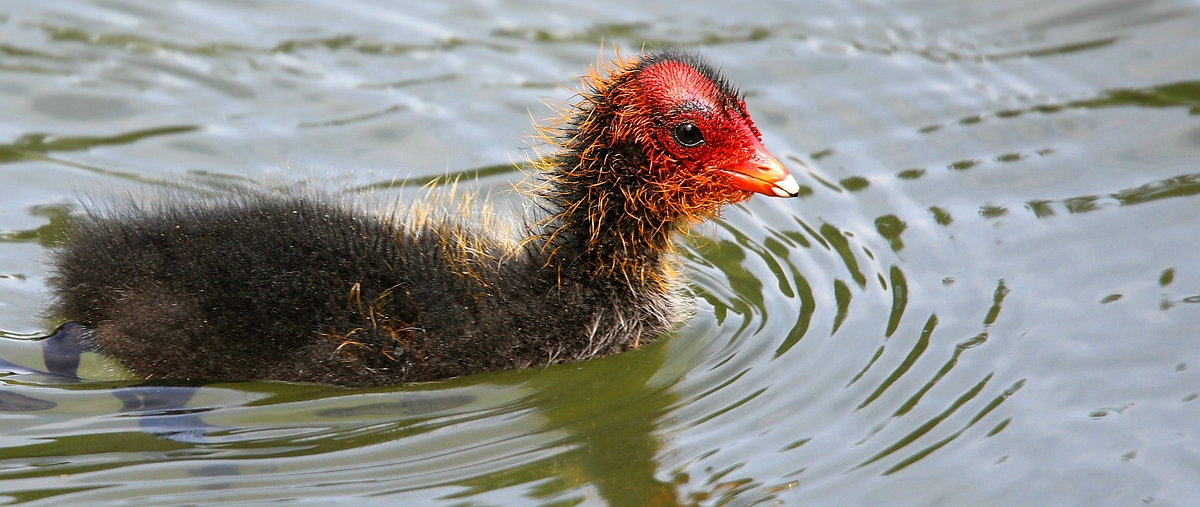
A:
{"x":990,"y":297}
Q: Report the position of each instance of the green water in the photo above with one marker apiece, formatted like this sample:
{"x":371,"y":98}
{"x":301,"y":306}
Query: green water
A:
{"x":987,"y":295}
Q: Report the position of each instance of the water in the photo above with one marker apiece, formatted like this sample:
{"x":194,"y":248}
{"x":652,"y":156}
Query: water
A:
{"x":988,"y":297}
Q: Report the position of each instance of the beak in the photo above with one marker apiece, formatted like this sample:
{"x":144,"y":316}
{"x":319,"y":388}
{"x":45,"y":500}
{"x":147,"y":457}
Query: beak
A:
{"x":763,"y":174}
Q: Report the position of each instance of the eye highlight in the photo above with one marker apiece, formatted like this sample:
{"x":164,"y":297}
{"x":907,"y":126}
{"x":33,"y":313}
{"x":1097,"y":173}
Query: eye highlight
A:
{"x":688,"y":135}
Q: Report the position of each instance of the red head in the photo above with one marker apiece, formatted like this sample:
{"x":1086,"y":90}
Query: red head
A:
{"x":658,"y":141}
{"x":701,"y":125}
{"x":700,"y":144}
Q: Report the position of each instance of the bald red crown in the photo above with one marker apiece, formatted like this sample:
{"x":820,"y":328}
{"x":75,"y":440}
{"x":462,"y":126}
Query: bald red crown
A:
{"x":700,"y":125}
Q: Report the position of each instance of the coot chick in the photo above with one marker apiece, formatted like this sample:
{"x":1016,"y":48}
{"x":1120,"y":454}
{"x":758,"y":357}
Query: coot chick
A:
{"x":313,"y":289}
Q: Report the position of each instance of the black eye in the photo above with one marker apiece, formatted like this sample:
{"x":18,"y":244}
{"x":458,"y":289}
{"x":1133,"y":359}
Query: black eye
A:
{"x":688,"y":135}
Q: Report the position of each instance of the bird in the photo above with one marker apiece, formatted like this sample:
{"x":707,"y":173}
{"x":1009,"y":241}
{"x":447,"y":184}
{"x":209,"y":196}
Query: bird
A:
{"x":312,"y":288}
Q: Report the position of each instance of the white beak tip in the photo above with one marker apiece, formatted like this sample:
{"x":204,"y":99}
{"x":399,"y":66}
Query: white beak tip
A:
{"x":786,"y":187}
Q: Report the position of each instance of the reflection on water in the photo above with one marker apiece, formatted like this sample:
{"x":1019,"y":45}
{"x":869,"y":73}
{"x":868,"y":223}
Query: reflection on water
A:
{"x":38,"y":147}
{"x":983,"y":296}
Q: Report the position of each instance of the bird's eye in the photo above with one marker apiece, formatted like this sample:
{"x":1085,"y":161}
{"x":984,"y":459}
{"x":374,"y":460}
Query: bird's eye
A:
{"x":688,"y":135}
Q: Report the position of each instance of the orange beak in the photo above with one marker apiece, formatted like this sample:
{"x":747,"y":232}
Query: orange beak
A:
{"x":763,"y":174}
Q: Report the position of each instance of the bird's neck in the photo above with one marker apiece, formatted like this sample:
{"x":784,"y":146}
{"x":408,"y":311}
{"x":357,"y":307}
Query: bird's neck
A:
{"x":604,"y":221}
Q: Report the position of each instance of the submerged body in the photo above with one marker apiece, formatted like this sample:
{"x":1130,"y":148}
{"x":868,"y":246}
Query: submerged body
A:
{"x":312,"y":289}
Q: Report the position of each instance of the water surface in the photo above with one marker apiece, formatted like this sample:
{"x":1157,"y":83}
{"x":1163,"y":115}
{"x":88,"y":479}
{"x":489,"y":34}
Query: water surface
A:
{"x":988,"y":294}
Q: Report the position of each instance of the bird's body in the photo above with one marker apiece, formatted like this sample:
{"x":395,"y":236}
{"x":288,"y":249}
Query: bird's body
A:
{"x":305,"y":289}
{"x":311,"y":288}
